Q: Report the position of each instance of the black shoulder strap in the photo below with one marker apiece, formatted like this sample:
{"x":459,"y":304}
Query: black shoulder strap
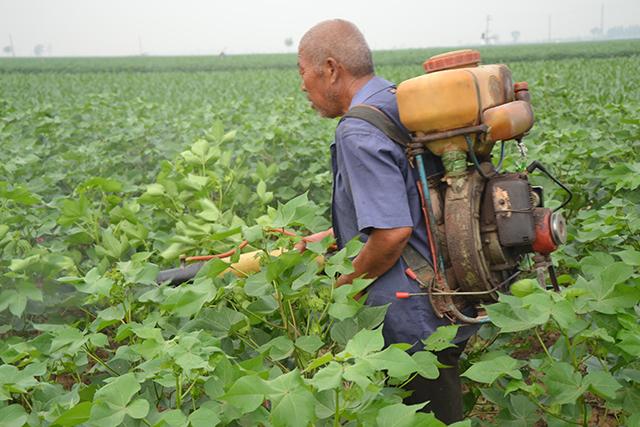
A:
{"x":381,"y":121}
{"x":419,"y":264}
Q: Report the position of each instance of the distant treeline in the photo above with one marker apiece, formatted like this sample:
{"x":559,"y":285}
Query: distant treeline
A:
{"x":490,"y":54}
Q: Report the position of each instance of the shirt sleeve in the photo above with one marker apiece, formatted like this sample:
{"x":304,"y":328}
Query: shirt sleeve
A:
{"x":372,"y":163}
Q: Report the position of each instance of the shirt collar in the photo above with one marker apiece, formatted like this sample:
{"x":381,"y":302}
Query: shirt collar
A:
{"x":373,"y":86}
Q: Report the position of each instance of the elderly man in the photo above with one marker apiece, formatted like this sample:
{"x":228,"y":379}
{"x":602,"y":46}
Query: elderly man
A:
{"x":375,"y":197}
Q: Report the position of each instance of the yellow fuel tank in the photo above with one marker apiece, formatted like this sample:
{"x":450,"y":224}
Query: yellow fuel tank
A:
{"x":453,"y":94}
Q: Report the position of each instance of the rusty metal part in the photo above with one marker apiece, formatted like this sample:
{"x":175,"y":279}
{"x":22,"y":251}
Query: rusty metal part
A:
{"x":511,"y":196}
{"x":462,"y":226}
{"x":540,"y":264}
{"x":423,"y":139}
{"x":498,"y":257}
{"x":544,"y":242}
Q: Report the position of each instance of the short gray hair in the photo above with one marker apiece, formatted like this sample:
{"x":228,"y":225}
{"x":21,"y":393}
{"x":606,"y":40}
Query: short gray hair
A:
{"x":340,"y":40}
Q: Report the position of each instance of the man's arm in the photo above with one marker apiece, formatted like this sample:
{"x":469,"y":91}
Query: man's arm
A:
{"x":379,"y":254}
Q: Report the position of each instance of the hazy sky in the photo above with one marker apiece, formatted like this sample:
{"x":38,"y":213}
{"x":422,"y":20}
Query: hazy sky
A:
{"x":120,"y":27}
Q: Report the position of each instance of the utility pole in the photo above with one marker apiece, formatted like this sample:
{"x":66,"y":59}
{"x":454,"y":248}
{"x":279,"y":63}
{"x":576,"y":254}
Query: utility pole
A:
{"x":486,"y":31}
{"x":13,"y":50}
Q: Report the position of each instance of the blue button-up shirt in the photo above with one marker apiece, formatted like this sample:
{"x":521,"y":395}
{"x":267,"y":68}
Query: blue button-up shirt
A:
{"x":374,"y":187}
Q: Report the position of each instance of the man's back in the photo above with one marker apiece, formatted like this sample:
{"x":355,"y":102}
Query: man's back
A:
{"x":374,"y":188}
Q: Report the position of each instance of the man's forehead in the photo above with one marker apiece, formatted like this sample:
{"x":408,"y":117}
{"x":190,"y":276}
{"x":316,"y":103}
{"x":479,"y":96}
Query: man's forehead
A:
{"x":302,"y":60}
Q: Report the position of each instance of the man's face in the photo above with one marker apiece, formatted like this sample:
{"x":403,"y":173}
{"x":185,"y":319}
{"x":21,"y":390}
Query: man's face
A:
{"x":320,"y":90}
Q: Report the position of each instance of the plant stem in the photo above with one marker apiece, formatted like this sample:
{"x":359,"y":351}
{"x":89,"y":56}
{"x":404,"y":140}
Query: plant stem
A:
{"x":544,"y":347}
{"x":178,"y":392}
{"x":283,"y":315}
{"x":408,"y":380}
{"x":293,"y":319}
{"x":257,"y":316}
{"x":336,"y":417}
{"x":26,"y":402}
{"x":100,"y":361}
{"x":188,"y":389}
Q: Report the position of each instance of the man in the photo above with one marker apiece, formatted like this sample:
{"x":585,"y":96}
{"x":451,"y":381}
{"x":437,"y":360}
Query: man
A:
{"x":375,"y":197}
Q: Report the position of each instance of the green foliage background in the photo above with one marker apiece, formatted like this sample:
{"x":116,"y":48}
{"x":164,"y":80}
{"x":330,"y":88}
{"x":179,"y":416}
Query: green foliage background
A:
{"x":112,"y":168}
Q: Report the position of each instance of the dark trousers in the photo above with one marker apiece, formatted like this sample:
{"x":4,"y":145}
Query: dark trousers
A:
{"x":445,"y":392}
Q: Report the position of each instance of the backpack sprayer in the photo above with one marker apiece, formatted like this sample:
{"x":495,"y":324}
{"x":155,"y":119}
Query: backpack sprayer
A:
{"x":480,"y":222}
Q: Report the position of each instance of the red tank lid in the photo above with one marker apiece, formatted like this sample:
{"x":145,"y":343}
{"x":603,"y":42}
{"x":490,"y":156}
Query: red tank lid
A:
{"x":520,"y":86}
{"x":456,"y":59}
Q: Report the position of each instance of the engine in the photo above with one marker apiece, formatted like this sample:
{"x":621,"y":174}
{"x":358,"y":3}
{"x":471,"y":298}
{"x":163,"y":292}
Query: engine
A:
{"x":482,"y":221}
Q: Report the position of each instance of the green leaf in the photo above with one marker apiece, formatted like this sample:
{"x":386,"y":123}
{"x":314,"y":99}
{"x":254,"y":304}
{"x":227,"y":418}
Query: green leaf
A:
{"x":20,"y":194}
{"x":278,"y":348}
{"x":564,"y":313}
{"x":487,"y":371}
{"x":174,"y":417}
{"x":112,"y":313}
{"x":629,"y":256}
{"x":427,"y":364}
{"x":399,"y":415}
{"x":95,"y":284}
{"x":201,"y":149}
{"x":310,"y":344}
{"x":370,"y":317}
{"x":343,"y":331}
{"x":615,"y":273}
{"x":196,"y":182}
{"x":223,"y":321}
{"x":441,"y":339}
{"x":74,"y":416}
{"x":257,"y":285}
{"x":185,"y":301}
{"x":111,"y":402}
{"x":155,"y":189}
{"x":204,"y":417}
{"x":105,"y":184}
{"x":365,"y":342}
{"x":564,"y":384}
{"x":293,"y":404}
{"x":397,"y":362}
{"x":316,"y":363}
{"x":13,"y":416}
{"x":521,"y":412}
{"x":629,"y":342}
{"x":344,"y":309}
{"x":602,"y":384}
{"x":189,"y":361}
{"x":359,"y":373}
{"x":247,"y":393}
{"x":328,"y":377}
{"x":513,"y":314}
{"x":138,"y":409}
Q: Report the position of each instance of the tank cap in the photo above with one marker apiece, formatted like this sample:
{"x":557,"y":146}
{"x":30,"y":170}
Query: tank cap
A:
{"x":456,"y":59}
{"x":520,"y":86}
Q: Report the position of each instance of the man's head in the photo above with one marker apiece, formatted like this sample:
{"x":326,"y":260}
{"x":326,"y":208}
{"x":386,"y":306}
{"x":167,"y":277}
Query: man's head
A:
{"x":334,"y":62}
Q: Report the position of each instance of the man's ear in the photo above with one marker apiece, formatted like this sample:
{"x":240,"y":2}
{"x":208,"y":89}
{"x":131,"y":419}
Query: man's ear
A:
{"x":332,"y":67}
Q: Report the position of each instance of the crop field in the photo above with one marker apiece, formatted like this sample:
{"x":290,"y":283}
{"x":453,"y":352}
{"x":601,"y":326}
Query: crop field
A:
{"x":112,"y":168}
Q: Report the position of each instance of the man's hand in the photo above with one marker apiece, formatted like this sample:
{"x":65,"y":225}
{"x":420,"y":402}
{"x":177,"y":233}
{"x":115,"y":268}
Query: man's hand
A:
{"x":379,"y":254}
